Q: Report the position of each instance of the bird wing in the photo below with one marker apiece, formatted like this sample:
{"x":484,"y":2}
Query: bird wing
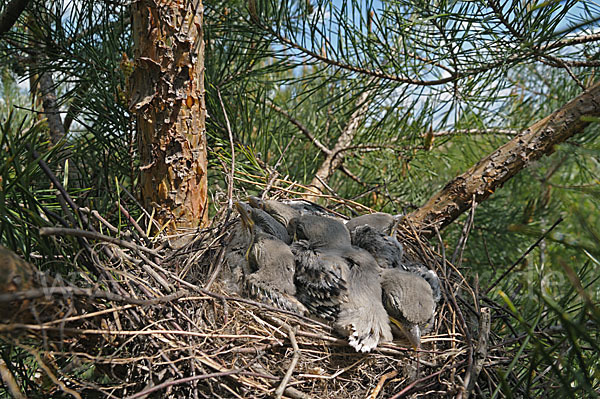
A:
{"x":386,"y":249}
{"x":320,"y":280}
{"x":362,"y":317}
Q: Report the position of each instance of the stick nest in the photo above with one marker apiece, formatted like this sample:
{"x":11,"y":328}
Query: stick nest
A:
{"x":148,"y":320}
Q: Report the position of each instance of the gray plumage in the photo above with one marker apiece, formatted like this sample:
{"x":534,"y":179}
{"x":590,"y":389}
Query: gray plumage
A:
{"x":429,"y":275}
{"x":409,"y":301}
{"x":320,"y":232}
{"x":278,"y":210}
{"x":321,"y":280}
{"x":382,"y":222}
{"x":386,"y":249}
{"x":273,"y":278}
{"x":235,"y":257}
{"x":271,"y":264}
{"x":339,"y":282}
{"x":362,"y":316}
{"x":266,"y":222}
{"x":309,"y":208}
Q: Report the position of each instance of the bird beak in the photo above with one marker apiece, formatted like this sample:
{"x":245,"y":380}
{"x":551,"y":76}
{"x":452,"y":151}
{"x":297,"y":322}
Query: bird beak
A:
{"x":245,"y":216}
{"x":412,"y":332}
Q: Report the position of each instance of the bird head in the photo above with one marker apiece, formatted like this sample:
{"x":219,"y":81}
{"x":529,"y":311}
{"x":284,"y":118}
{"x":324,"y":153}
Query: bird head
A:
{"x":410,"y":331}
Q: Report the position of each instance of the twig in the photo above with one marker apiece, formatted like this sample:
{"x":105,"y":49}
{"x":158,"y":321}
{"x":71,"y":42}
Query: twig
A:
{"x":381,"y":382}
{"x":50,"y":374}
{"x":415,"y":382}
{"x":196,"y":378}
{"x":9,"y":381}
{"x":97,"y":215}
{"x":231,"y":172}
{"x":53,"y":231}
{"x":136,"y":226}
{"x":462,"y":241}
{"x":302,"y":128}
{"x":217,"y":269}
{"x":481,"y":351}
{"x":531,"y":248}
{"x":89,"y":292}
{"x":290,"y":370}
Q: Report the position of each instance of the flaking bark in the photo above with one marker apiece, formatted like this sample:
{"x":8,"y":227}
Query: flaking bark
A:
{"x":167,"y":97}
{"x":491,"y":172}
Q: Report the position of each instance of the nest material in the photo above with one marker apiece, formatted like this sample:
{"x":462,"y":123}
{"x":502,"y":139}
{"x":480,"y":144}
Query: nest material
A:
{"x":165,"y":325}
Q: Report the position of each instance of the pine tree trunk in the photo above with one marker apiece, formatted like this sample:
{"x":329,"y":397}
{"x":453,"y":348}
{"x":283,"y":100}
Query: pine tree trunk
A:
{"x":167,"y":97}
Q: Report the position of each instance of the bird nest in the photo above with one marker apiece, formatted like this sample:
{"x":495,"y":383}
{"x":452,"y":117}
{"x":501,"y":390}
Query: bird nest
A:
{"x":163,"y":323}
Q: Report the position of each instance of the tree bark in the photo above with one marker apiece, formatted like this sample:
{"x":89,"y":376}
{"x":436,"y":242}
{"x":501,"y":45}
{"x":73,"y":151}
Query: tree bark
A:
{"x":12,"y":11}
{"x":167,"y":97}
{"x":491,"y":172}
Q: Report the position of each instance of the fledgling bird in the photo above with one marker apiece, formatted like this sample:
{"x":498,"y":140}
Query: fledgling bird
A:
{"x":320,"y":232}
{"x":362,"y":316}
{"x":267,"y":223}
{"x":272,"y":266}
{"x":429,"y":275}
{"x":281,"y":212}
{"x":409,"y":301}
{"x":382,"y":222}
{"x":339,"y":282}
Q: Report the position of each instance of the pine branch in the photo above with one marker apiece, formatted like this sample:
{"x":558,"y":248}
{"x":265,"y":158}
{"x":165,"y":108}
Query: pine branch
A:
{"x":11,"y":13}
{"x":491,"y":172}
{"x":335,"y":158}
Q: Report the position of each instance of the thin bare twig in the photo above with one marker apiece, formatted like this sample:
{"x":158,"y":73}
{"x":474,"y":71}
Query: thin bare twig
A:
{"x":381,"y":383}
{"x":53,"y":231}
{"x":286,"y":378}
{"x":232,"y":148}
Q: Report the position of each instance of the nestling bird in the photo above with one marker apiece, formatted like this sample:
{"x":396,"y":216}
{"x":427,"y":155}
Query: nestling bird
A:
{"x":271,"y":264}
{"x":409,"y":302}
{"x":382,"y":222}
{"x":281,"y":212}
{"x":339,"y":282}
{"x":385,"y":248}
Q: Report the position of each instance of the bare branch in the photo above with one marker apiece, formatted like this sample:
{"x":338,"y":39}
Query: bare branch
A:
{"x":335,"y":158}
{"x":302,"y":128}
{"x":493,"y":171}
{"x":11,"y":13}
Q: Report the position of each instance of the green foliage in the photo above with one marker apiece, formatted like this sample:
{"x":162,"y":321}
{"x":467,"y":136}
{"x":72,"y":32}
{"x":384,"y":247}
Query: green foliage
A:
{"x":447,"y":83}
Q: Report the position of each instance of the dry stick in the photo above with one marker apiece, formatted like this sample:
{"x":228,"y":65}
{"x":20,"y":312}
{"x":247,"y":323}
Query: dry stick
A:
{"x":88,"y":292}
{"x":50,"y":374}
{"x":290,"y":370}
{"x":381,"y":382}
{"x":415,"y":382}
{"x":232,"y":171}
{"x":462,"y":242}
{"x":53,"y":231}
{"x":196,"y":378}
{"x":531,"y":248}
{"x":481,"y":350}
{"x":97,"y":215}
{"x":136,"y":226}
{"x":289,"y":391}
{"x":259,"y":305}
{"x":217,"y":269}
{"x":9,"y":381}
